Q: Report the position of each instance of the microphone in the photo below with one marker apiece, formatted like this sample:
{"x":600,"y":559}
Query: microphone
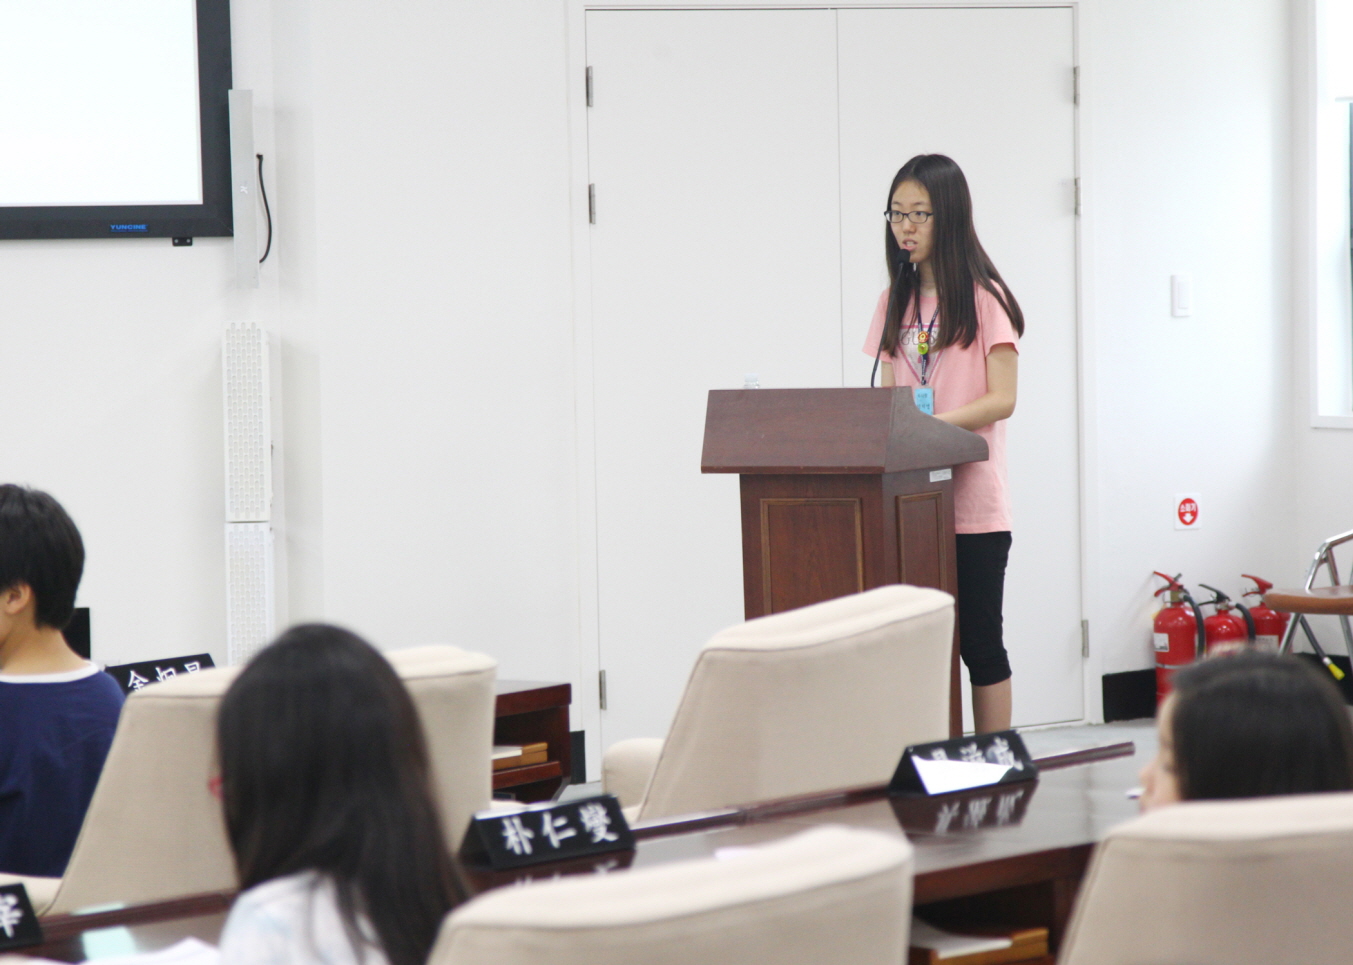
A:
{"x":905,"y":256}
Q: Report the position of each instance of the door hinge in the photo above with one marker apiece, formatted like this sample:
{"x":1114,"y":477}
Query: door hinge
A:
{"x":1077,"y":184}
{"x":589,"y":87}
{"x":601,"y":688}
{"x":1075,"y":86}
{"x":592,"y":204}
{"x":1085,"y":638}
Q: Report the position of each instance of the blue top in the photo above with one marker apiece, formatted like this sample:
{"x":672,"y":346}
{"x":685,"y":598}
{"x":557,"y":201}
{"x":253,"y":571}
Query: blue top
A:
{"x":55,"y":730}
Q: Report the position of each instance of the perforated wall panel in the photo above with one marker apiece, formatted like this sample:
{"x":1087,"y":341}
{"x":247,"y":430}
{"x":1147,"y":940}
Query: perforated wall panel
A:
{"x":248,"y":424}
{"x":250,"y":614}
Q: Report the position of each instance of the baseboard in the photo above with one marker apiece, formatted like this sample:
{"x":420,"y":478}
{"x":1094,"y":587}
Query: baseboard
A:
{"x":1129,"y":695}
{"x":579,"y":748}
{"x":1345,"y":685}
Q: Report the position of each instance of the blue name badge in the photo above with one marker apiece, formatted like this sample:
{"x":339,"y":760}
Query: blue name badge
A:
{"x":924,"y":397}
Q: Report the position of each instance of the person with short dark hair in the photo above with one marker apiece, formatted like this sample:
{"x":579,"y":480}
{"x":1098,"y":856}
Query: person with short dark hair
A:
{"x":58,"y":711}
{"x":1249,"y":725}
{"x":329,"y":809}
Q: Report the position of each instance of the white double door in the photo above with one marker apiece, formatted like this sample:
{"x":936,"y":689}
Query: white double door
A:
{"x":741,"y":161}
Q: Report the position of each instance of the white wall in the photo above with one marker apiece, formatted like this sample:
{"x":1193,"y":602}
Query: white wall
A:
{"x":110,"y":380}
{"x":1324,"y":502}
{"x":442,"y":304}
{"x":420,"y":292}
{"x":1186,"y":159}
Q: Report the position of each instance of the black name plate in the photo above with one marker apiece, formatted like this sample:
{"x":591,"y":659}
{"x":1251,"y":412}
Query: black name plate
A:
{"x":19,"y":927}
{"x":134,"y":676}
{"x":547,"y":832}
{"x":963,"y":763}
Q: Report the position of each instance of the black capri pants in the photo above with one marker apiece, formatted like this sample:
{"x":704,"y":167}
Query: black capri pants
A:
{"x":981,"y":592}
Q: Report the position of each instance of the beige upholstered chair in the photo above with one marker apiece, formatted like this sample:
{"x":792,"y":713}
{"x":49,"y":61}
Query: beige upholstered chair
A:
{"x":1246,"y":882}
{"x":808,"y":700}
{"x":831,"y":894}
{"x":154,"y":830}
{"x":453,"y":690}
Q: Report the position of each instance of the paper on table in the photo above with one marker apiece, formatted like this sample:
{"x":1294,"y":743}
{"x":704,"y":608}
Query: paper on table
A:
{"x":924,"y":935}
{"x":733,"y":851}
{"x":941,"y":777}
{"x":190,"y":951}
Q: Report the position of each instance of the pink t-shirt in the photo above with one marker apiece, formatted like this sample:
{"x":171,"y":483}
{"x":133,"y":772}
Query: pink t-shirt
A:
{"x":959,"y":375}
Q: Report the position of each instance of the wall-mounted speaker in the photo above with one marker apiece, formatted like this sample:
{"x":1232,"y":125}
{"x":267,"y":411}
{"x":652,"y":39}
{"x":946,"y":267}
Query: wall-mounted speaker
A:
{"x":250,"y":571}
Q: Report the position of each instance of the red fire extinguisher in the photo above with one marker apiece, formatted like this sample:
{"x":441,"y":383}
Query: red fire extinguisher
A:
{"x":1226,"y":632}
{"x":1269,"y":624}
{"x":1175,"y":633}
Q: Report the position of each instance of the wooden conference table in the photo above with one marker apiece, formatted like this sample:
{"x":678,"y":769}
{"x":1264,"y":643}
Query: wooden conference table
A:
{"x":1013,"y":857}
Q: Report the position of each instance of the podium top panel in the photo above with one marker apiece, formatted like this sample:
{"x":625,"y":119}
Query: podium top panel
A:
{"x":794,"y":431}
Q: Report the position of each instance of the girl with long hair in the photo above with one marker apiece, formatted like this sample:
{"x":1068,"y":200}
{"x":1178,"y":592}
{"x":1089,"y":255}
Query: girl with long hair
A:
{"x":948,"y":326}
{"x":1249,"y":725}
{"x":329,"y":809}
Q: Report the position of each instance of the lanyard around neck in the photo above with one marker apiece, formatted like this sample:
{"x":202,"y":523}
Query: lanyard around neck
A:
{"x":924,"y":341}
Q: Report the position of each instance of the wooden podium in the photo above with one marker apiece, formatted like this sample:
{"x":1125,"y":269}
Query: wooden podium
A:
{"x":843,"y":490}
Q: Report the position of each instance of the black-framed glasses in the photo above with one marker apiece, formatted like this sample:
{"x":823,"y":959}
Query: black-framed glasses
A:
{"x":915,"y":217}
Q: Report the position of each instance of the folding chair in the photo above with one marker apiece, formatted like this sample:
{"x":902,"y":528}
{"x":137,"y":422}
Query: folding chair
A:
{"x":1332,"y":600}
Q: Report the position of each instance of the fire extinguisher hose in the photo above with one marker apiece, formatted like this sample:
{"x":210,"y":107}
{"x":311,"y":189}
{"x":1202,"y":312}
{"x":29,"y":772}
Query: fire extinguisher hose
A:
{"x":1330,"y":665}
{"x":1249,"y":622}
{"x":1187,"y":597}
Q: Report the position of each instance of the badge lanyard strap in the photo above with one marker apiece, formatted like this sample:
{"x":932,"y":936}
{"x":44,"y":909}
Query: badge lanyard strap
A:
{"x":923,"y":348}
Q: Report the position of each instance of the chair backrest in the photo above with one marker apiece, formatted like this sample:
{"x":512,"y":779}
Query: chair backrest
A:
{"x":1210,"y":882}
{"x":154,"y":830}
{"x":808,"y":700}
{"x":831,"y":894}
{"x":453,"y":690}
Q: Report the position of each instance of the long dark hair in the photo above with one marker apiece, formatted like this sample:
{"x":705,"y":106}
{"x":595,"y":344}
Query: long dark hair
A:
{"x":324,"y":768}
{"x":959,"y":261}
{"x":1256,"y":724}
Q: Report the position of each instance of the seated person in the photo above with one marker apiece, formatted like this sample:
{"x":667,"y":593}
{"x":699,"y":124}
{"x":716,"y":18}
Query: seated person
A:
{"x":58,"y":711}
{"x":329,"y":809}
{"x":1249,"y":725}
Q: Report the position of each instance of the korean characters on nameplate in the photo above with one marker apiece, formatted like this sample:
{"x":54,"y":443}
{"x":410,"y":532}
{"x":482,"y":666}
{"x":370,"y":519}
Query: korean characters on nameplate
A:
{"x":544,"y":833}
{"x":132,"y":677}
{"x":19,"y":926}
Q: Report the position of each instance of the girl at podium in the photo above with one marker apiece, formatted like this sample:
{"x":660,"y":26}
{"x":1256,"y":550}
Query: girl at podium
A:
{"x":948,"y":326}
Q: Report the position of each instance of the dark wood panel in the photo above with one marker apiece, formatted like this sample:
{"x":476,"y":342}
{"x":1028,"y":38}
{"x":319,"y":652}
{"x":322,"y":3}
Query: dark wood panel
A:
{"x":548,"y":724}
{"x":58,"y":927}
{"x":829,"y":431}
{"x":983,"y":876}
{"x":519,"y":696}
{"x":923,"y":552}
{"x":872,"y":556}
{"x":510,"y":777}
{"x":812,"y":550}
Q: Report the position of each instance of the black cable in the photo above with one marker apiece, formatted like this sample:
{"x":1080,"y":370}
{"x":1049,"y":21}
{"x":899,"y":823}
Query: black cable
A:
{"x":266,"y":210}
